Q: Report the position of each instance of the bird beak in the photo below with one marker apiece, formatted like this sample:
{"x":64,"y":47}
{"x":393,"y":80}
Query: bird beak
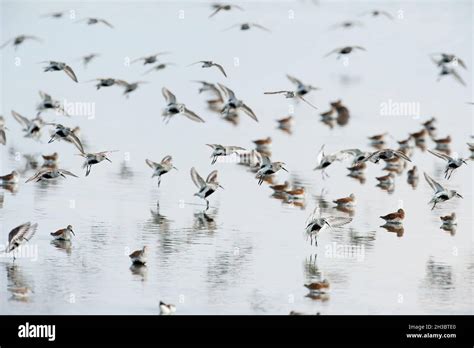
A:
{"x":175,"y":168}
{"x":63,"y":175}
{"x":463,"y":161}
{"x":221,"y":186}
{"x":108,"y":160}
{"x":284,"y":169}
{"x":457,"y":194}
{"x":73,"y":233}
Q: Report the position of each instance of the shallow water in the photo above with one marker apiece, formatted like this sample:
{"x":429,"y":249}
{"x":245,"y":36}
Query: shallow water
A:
{"x":247,"y":254}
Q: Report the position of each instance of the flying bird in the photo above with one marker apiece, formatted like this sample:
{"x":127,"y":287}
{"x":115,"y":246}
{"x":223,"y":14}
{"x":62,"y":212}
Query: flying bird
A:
{"x":50,"y":174}
{"x":293,"y":94}
{"x":18,"y":40}
{"x":316,"y":224}
{"x":92,"y":21}
{"x":88,"y":58}
{"x":223,"y":7}
{"x":210,"y":64}
{"x":345,"y":50}
{"x":441,"y":194}
{"x":248,"y":26}
{"x":206,"y":188}
{"x":234,"y":104}
{"x":174,"y":108}
{"x":94,"y":158}
{"x":32,"y":127}
{"x":152,"y":58}
{"x":221,"y":150}
{"x":60,"y":66}
{"x":452,"y":165}
{"x":268,"y":168}
{"x":62,"y":132}
{"x":20,"y":235}
{"x":161,"y":168}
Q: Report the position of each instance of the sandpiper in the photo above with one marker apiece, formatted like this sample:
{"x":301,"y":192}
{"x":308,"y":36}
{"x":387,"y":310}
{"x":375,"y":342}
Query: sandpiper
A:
{"x":344,"y":50}
{"x":152,"y":58}
{"x":285,"y":123}
{"x":62,"y":132}
{"x":394,"y":218}
{"x":248,"y":26}
{"x":301,"y":88}
{"x":223,"y":7}
{"x":347,"y":25}
{"x":221,"y":150}
{"x":280,"y":187}
{"x":11,"y":178}
{"x":323,"y":161}
{"x":48,"y":103}
{"x":129,"y":87}
{"x":386,"y":154}
{"x":268,"y":168}
{"x":20,"y":293}
{"x":206,"y":188}
{"x":20,"y":235}
{"x":50,"y":160}
{"x":161,"y":168}
{"x":60,"y":66}
{"x":445,"y":71}
{"x":88,"y":58}
{"x":3,"y":137}
{"x":346,"y":201}
{"x":358,"y":156}
{"x":447,"y":58}
{"x":443,"y":143}
{"x":210,"y":64}
{"x":377,"y":13}
{"x":386,"y":180}
{"x":63,"y":234}
{"x":94,"y":158}
{"x":357,"y":169}
{"x":55,"y":15}
{"x":50,"y":174}
{"x":295,"y":194}
{"x":318,"y":286}
{"x":233,"y":103}
{"x":18,"y":40}
{"x":158,"y":67}
{"x":449,"y":220}
{"x":441,"y":194}
{"x":377,"y":139}
{"x":429,"y":125}
{"x":413,"y":176}
{"x":452,"y":165}
{"x":263,"y":145}
{"x":341,"y":110}
{"x":139,"y":257}
{"x":166,"y":309}
{"x":31,"y":127}
{"x":471,"y":148}
{"x":293,"y":94}
{"x":174,"y":108}
{"x":105,"y":82}
{"x":93,"y":20}
{"x":316,"y":224}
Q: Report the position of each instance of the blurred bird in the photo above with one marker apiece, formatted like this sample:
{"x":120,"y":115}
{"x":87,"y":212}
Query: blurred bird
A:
{"x":345,"y":50}
{"x":161,"y":168}
{"x":441,"y":194}
{"x":221,"y":150}
{"x":210,"y":64}
{"x":60,"y":66}
{"x":206,"y":188}
{"x":50,"y":174}
{"x":20,"y":235}
{"x":92,"y":21}
{"x":18,"y":40}
{"x":174,"y":108}
{"x":233,"y":103}
{"x":248,"y":26}
{"x":223,"y":7}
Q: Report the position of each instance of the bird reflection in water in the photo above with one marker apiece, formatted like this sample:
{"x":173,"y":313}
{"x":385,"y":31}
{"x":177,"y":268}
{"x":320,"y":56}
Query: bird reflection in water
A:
{"x":398,"y":229}
{"x":17,"y":284}
{"x":125,"y":171}
{"x":139,"y":270}
{"x":62,"y":245}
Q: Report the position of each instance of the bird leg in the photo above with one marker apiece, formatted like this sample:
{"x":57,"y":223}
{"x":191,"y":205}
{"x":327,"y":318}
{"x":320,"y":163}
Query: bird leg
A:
{"x":159,"y":180}
{"x":207,"y":204}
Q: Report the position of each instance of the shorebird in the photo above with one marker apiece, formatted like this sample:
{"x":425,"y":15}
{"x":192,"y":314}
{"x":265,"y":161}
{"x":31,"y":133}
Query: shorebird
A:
{"x":63,"y":234}
{"x":316,"y":224}
{"x":50,"y":174}
{"x":20,"y":235}
{"x":139,"y":257}
{"x":50,"y":160}
{"x":94,"y":158}
{"x":11,"y":178}
{"x":268,"y":168}
{"x":285,"y":123}
{"x":358,"y":156}
{"x":223,"y":7}
{"x":317,"y":286}
{"x":173,"y":108}
{"x":441,"y":194}
{"x":346,"y":201}
{"x":129,"y":87}
{"x":18,"y":40}
{"x":20,"y":293}
{"x":347,"y":25}
{"x":292,"y":94}
{"x":210,"y":64}
{"x":48,"y":103}
{"x":158,"y":67}
{"x":55,"y":15}
{"x":413,"y":176}
{"x":166,"y":309}
{"x":445,"y":71}
{"x":161,"y":168}
{"x":377,"y":13}
{"x":248,"y":26}
{"x":442,"y":142}
{"x":3,"y":137}
{"x":471,"y":148}
{"x":88,"y":58}
{"x":106,"y":82}
{"x":281,"y":187}
{"x":323,"y":161}
{"x":386,"y":180}
{"x":377,"y":138}
{"x":301,"y":88}
{"x":386,"y":154}
{"x":449,"y":220}
{"x":221,"y":150}
{"x":394,"y":218}
{"x":152,"y":58}
{"x":60,"y":66}
{"x":345,"y":50}
{"x":447,"y":58}
{"x":206,"y":188}
{"x":233,"y":103}
{"x":32,"y":127}
{"x":294,"y":195}
{"x":452,"y":165}
{"x":62,"y":132}
{"x":93,"y":20}
{"x":429,"y":125}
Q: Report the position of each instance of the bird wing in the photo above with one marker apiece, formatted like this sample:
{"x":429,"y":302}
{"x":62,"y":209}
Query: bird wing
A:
{"x":260,"y":27}
{"x":3,"y":137}
{"x":212,"y":177}
{"x":386,"y":14}
{"x":75,"y":140}
{"x":294,"y":80}
{"x":461,"y":63}
{"x":359,"y":48}
{"x":19,"y":234}
{"x":402,"y":155}
{"x":197,"y":179}
{"x":307,"y":102}
{"x":220,"y":68}
{"x":106,"y":23}
{"x":266,"y":161}
{"x":151,"y":164}
{"x":166,"y":159}
{"x":63,"y":171}
{"x":434,"y":185}
{"x":314,"y":215}
{"x":249,"y":112}
{"x":44,"y":95}
{"x":457,"y":77}
{"x":234,"y":148}
{"x":6,"y":43}
{"x":227,"y":91}
{"x":218,"y":8}
{"x":440,"y":155}
{"x":69,"y":72}
{"x":21,"y":119}
{"x":338,"y":221}
{"x":320,"y":156}
{"x":369,"y":157}
{"x":169,"y":97}
{"x":333,"y":51}
{"x":191,"y":115}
